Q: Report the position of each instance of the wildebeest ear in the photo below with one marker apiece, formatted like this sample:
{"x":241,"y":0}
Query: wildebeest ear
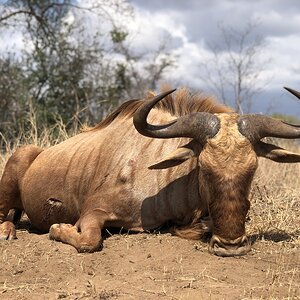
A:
{"x":175,"y":158}
{"x":276,"y":153}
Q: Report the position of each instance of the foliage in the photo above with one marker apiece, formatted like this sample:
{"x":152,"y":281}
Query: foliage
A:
{"x":77,"y":63}
{"x":12,"y":91}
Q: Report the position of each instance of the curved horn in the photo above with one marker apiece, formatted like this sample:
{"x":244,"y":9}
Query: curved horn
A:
{"x":295,"y":93}
{"x":199,"y":126}
{"x":256,"y":127}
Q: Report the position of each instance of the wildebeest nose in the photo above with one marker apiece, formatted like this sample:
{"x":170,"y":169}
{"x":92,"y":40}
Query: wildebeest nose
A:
{"x":238,"y":247}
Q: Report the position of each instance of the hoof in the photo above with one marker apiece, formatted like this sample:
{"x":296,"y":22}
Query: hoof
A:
{"x":59,"y":231}
{"x":7,"y":231}
{"x":54,"y":231}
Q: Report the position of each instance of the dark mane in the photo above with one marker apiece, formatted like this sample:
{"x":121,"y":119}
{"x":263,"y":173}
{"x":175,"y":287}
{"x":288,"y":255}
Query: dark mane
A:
{"x":178,"y":104}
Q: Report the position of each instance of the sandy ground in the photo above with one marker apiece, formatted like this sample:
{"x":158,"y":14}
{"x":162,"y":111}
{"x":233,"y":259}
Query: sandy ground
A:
{"x":147,"y":266}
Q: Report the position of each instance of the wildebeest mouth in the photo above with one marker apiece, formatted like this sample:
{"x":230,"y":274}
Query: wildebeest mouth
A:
{"x":237,"y":247}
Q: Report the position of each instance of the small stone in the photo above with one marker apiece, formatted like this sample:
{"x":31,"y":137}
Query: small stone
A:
{"x":15,"y":272}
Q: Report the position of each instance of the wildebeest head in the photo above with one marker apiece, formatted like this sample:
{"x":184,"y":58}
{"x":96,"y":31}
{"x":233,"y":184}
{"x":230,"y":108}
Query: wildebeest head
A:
{"x":227,"y":146}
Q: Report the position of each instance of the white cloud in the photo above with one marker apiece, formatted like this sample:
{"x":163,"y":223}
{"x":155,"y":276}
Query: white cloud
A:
{"x":285,"y":63}
{"x":147,"y":30}
{"x":11,"y":41}
{"x":196,"y":24}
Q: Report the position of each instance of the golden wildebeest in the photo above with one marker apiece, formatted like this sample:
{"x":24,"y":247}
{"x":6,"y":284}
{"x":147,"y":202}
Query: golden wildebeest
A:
{"x":194,"y":172}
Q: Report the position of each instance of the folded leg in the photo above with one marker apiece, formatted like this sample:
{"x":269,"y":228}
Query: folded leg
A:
{"x":85,"y":236}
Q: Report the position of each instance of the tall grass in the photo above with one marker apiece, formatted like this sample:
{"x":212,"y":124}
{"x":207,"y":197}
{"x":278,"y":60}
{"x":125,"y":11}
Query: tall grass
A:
{"x":275,"y":199}
{"x":33,"y":132}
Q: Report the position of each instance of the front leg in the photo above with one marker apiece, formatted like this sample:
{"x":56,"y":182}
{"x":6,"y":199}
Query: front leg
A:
{"x":7,"y":228}
{"x":85,"y":236}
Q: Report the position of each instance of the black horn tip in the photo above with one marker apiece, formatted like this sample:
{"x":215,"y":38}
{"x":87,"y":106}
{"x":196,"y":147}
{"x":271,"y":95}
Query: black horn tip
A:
{"x":169,"y":92}
{"x":159,"y":97}
{"x":294,"y":92}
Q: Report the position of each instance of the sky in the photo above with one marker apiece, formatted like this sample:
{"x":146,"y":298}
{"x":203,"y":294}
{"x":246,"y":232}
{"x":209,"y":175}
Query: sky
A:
{"x":194,"y":25}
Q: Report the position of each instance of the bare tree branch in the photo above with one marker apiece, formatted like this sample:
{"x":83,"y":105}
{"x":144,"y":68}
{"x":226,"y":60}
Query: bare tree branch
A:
{"x":234,"y":68}
{"x":13,"y":14}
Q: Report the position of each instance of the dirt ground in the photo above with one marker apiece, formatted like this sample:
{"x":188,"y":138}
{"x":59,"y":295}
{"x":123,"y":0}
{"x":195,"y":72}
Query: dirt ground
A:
{"x":147,"y":266}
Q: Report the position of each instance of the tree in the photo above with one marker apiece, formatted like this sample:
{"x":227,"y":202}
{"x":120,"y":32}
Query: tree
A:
{"x":235,"y":66}
{"x":12,"y":94}
{"x":72,"y":70}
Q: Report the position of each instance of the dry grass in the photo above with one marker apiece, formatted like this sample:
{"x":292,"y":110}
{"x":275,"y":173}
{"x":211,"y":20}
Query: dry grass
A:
{"x":274,"y":220}
{"x":36,"y":134}
{"x":275,"y":212}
